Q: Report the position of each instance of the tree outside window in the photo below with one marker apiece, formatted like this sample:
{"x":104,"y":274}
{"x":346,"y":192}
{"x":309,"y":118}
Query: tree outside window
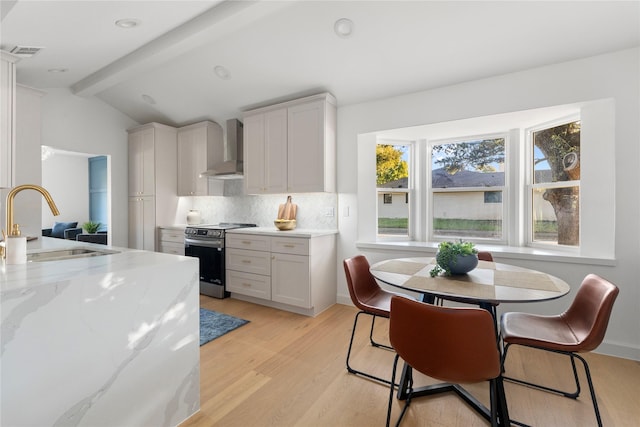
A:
{"x":392,"y":182}
{"x":555,"y":189}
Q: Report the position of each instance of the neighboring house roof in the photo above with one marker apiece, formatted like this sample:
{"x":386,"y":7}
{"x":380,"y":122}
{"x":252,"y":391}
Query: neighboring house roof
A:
{"x":465,"y":178}
{"x":398,"y":183}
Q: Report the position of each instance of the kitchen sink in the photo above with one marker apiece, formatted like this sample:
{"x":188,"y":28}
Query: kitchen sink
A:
{"x":62,"y":254}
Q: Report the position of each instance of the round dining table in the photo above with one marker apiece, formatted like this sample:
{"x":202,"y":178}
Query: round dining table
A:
{"x":488,"y":285}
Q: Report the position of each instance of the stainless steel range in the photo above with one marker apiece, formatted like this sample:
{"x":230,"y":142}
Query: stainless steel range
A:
{"x":207,"y":243}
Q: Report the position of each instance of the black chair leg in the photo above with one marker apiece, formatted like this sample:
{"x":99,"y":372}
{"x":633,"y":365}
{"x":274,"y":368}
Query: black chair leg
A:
{"x":374,"y":343}
{"x":571,"y":395}
{"x":591,"y":389}
{"x":391,"y":389}
{"x":355,"y":371}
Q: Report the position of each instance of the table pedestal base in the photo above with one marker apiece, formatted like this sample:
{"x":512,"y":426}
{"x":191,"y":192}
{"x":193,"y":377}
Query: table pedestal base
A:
{"x":500,"y":401}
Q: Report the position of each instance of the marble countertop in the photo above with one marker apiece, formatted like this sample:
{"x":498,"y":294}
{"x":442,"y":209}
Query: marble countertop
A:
{"x":273,"y":231}
{"x":33,"y":274}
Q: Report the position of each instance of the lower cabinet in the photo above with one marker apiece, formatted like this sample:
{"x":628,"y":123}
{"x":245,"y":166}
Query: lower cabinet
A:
{"x":291,"y":273}
{"x":171,"y":240}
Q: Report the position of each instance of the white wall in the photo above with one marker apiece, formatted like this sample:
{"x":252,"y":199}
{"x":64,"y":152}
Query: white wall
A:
{"x":66,"y":177}
{"x":88,"y":125}
{"x":27,"y":204}
{"x":615,"y":75}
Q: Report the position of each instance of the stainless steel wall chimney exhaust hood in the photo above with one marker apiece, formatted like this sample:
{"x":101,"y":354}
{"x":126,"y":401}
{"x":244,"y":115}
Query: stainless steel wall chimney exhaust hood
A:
{"x":232,"y":168}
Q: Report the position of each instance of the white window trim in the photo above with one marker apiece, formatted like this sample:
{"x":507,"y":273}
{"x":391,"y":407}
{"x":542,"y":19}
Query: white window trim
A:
{"x":598,"y":192}
{"x":505,"y":188}
{"x":410,"y":190}
{"x":530,"y":185}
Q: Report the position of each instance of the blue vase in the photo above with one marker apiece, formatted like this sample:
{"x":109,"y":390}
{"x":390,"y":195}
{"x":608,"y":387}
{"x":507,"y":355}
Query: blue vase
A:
{"x":463,"y":264}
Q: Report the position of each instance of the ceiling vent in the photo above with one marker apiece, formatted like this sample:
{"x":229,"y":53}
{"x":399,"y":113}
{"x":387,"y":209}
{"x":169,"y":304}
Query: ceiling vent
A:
{"x":25,"y":51}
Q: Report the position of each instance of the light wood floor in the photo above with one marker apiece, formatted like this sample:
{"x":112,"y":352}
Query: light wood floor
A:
{"x":284,"y":369}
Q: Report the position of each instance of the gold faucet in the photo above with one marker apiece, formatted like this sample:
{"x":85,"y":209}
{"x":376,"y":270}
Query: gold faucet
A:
{"x":14,"y":229}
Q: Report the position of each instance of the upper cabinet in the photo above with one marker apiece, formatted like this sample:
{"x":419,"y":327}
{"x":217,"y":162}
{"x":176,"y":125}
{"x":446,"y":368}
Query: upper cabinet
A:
{"x":200,"y":146}
{"x":7,"y":117}
{"x":142,"y":162}
{"x":290,"y":147}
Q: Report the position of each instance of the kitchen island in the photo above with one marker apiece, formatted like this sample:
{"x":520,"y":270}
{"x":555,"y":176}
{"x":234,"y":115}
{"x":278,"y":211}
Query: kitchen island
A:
{"x":110,"y":340}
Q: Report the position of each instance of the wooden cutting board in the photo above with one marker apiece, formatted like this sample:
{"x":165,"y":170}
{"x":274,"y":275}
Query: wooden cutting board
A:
{"x":288,"y":210}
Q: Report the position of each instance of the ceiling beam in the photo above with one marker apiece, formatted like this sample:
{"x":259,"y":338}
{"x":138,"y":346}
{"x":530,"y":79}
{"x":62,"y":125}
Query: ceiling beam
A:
{"x":224,"y":18}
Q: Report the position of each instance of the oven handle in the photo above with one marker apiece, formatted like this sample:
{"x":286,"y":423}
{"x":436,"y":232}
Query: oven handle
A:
{"x":205,"y":243}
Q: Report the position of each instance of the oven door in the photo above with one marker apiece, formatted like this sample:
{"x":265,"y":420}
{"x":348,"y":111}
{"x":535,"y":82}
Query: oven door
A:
{"x":212,"y":268}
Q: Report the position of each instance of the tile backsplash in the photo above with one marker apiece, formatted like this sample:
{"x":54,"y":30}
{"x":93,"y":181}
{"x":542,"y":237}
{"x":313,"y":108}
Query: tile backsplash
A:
{"x":315,"y":210}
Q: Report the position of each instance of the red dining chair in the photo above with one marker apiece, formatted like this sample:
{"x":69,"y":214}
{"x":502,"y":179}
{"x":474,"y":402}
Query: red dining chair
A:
{"x":452,"y":344}
{"x":579,"y":329}
{"x":485,"y":256}
{"x":370,"y":298}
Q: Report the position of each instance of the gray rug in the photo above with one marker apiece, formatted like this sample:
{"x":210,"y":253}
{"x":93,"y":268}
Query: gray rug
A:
{"x":214,"y":324}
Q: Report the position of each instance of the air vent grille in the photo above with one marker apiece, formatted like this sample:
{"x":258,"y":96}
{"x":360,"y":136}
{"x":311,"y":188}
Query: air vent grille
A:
{"x":25,"y":51}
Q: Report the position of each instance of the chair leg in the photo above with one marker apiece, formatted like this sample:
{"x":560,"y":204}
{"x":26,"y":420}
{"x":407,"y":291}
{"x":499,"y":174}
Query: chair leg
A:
{"x":571,"y":395}
{"x":391,"y":390}
{"x":591,"y":389}
{"x":355,"y":371}
{"x":374,"y":343}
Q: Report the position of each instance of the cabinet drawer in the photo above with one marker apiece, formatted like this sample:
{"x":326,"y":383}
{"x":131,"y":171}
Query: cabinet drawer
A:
{"x":171,"y":248}
{"x":253,"y":285}
{"x":172,"y":235}
{"x":248,"y":241}
{"x":256,"y":262}
{"x":290,"y":245}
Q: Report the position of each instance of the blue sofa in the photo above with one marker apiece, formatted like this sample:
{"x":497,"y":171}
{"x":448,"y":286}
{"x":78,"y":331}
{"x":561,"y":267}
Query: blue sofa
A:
{"x":63,"y":230}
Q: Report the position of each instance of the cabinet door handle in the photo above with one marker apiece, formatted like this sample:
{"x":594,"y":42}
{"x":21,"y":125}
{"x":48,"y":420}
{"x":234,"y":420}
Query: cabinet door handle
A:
{"x":246,"y":261}
{"x":246,"y":285}
{"x":289,"y":246}
{"x":246,"y":242}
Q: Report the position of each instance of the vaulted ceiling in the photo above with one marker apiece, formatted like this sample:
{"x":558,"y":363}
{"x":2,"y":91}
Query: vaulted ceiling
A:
{"x":163,"y":69}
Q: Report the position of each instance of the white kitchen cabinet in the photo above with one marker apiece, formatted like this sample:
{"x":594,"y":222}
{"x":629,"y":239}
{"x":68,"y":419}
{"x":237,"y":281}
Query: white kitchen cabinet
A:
{"x":171,"y":240}
{"x":142,"y":163}
{"x":290,"y":147}
{"x":200,"y":146}
{"x":7,"y":117}
{"x":291,"y":280}
{"x":142,"y":223}
{"x":265,"y":154}
{"x":153,"y":198}
{"x":291,"y":273}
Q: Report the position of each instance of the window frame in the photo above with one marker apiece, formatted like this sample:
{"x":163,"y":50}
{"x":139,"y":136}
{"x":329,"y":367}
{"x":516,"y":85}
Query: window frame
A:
{"x":530,"y":185}
{"x":429,"y":190}
{"x":411,"y":208}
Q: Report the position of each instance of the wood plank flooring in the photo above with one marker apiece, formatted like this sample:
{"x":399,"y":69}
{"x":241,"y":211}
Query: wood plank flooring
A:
{"x":284,"y":369}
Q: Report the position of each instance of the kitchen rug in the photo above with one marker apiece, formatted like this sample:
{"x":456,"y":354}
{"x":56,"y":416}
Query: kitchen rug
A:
{"x":214,"y":324}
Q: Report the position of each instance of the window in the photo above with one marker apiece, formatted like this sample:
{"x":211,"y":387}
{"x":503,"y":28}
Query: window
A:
{"x":461,"y":172}
{"x":520,"y":207}
{"x":392,"y":183}
{"x":555,"y":184}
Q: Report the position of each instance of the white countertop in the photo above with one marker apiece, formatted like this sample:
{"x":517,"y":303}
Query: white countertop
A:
{"x":119,"y":331}
{"x":33,"y":274}
{"x":273,"y":231}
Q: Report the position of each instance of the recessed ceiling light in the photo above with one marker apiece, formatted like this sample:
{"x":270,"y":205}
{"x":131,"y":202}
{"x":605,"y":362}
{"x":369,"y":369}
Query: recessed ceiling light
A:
{"x":343,"y":27}
{"x":127,"y":23}
{"x":58,"y":70}
{"x":222,"y":72}
{"x":149,"y":100}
